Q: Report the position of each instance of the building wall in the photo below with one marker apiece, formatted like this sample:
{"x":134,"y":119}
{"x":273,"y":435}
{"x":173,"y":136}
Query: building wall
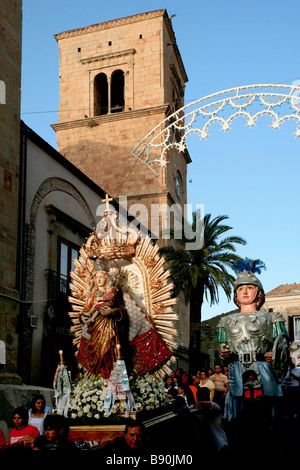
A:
{"x":289,"y":306}
{"x":10,"y":76}
{"x":59,"y":203}
{"x":285,"y":304}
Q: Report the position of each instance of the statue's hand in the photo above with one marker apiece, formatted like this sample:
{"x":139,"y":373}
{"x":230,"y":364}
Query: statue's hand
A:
{"x":268,"y":357}
{"x":86,"y":318}
{"x":106,"y":311}
{"x":225,"y":352}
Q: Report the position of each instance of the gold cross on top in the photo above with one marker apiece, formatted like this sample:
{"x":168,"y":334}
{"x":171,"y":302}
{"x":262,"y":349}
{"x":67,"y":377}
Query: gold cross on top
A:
{"x":107,"y":201}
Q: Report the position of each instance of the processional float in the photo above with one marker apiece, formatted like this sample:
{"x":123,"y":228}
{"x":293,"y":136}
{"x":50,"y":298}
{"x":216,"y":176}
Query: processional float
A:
{"x":122,"y":309}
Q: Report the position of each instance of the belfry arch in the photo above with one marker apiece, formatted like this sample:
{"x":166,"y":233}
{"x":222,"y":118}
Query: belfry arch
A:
{"x":280,"y":103}
{"x":109,"y":93}
{"x":100,"y":94}
{"x":117,"y":91}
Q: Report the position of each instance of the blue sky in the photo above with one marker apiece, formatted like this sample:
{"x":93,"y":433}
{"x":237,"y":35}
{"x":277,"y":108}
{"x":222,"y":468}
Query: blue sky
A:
{"x":251,"y":175}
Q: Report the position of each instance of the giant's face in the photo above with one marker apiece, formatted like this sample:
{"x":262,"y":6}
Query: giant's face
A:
{"x":246,"y":294}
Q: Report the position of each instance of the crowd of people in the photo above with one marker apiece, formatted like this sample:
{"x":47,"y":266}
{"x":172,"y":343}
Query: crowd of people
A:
{"x":180,"y":383}
{"x":256,"y":418}
{"x":203,"y":395}
{"x":36,"y":429}
{"x":200,"y":400}
{"x":31,"y":426}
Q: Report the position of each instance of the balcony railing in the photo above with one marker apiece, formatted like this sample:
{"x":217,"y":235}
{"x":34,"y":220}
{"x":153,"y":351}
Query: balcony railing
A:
{"x":57,"y":284}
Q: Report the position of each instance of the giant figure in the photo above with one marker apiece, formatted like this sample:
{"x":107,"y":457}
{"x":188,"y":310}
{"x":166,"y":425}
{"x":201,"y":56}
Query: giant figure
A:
{"x":252,"y":340}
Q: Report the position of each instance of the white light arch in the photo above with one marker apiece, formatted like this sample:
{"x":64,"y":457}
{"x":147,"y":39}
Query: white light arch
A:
{"x":279,"y":102}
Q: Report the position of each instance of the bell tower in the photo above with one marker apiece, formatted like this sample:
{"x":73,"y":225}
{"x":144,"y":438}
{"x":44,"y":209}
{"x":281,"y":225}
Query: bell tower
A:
{"x":118,"y":80}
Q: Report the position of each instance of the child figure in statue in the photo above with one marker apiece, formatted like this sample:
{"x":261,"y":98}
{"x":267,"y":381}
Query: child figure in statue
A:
{"x":246,"y":339}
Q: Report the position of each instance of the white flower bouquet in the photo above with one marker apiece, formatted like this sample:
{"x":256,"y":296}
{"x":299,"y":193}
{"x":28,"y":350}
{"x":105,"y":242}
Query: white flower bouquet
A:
{"x":149,"y":393}
{"x":88,"y":394}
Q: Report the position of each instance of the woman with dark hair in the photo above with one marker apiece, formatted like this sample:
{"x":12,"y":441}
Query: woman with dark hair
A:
{"x":206,"y":382}
{"x":185,"y":391}
{"x":22,"y":431}
{"x":170,"y":387}
{"x":38,"y":412}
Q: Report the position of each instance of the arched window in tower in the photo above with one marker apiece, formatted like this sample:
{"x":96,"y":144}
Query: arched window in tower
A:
{"x":100,"y":94}
{"x":117,"y":91}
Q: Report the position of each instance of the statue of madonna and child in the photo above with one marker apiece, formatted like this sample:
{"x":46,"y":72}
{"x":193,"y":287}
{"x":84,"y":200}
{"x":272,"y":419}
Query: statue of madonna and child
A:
{"x":103,"y":319}
{"x":122,"y":311}
{"x":252,"y":342}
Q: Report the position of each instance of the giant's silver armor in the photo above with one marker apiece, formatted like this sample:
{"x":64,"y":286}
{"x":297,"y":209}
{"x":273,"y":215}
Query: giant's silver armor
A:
{"x":249,"y":335}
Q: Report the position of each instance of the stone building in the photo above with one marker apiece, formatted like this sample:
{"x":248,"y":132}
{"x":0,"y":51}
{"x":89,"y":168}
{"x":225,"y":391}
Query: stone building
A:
{"x":11,"y":277}
{"x":286,"y":300}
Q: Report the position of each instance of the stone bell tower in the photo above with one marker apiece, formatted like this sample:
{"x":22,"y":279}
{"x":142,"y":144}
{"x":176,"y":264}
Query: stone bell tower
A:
{"x":118,"y":80}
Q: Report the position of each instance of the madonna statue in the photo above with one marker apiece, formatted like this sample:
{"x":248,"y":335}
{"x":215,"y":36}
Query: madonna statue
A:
{"x":104,"y":318}
{"x":122,"y":310}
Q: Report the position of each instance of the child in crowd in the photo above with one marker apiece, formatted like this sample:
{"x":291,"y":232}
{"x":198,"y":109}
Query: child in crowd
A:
{"x":22,"y":431}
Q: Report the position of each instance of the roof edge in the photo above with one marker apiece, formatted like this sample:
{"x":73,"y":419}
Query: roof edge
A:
{"x":110,"y":24}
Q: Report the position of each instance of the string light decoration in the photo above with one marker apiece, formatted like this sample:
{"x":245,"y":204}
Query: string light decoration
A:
{"x":280,"y":102}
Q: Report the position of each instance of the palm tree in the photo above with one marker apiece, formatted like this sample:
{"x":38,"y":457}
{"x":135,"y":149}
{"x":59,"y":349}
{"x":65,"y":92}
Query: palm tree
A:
{"x":201,"y":272}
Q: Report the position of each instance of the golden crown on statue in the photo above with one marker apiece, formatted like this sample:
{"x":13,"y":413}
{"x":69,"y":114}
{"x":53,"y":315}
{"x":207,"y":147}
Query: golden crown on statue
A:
{"x":109,"y":241}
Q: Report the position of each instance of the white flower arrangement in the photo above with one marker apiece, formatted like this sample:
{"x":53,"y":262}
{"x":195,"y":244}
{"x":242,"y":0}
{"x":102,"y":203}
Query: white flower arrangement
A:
{"x":88,"y":394}
{"x":149,"y":393}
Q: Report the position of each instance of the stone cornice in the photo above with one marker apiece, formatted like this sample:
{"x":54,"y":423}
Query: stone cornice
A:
{"x":108,"y":56}
{"x":69,"y":221}
{"x":98,"y":120}
{"x":186,"y":156}
{"x":288,"y":296}
{"x":110,"y":24}
{"x":148,"y":195}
